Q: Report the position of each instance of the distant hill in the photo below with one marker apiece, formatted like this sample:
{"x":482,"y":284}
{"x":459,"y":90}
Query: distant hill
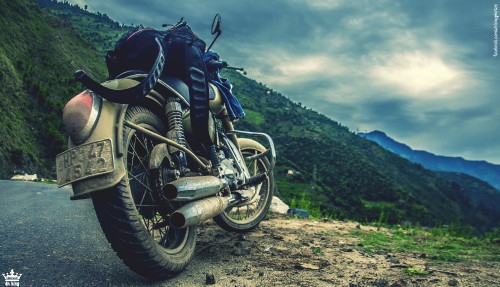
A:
{"x":339,"y":172}
{"x":478,"y":191}
{"x":481,"y":169}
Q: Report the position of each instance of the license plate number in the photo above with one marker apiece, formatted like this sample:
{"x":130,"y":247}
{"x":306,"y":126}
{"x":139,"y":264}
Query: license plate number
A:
{"x":84,"y":161}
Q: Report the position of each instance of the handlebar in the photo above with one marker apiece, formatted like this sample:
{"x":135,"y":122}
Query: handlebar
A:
{"x":219,"y":65}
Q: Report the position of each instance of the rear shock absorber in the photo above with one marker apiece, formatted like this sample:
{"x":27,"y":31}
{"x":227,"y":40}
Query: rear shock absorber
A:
{"x":173,"y":110}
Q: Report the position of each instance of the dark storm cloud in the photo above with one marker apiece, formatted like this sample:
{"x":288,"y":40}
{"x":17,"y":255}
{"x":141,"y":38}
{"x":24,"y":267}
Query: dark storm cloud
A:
{"x":422,"y":71}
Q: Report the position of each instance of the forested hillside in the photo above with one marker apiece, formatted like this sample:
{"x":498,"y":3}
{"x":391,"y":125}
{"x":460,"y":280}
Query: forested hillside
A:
{"x":38,"y":55}
{"x":347,"y":174}
{"x":335,"y":170}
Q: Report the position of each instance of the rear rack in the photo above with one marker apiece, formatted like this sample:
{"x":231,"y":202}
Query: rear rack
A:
{"x":270,"y":153}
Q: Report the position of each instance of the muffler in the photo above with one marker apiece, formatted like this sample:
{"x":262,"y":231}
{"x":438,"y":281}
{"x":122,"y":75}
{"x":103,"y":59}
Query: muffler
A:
{"x":192,"y":188}
{"x":198,"y":211}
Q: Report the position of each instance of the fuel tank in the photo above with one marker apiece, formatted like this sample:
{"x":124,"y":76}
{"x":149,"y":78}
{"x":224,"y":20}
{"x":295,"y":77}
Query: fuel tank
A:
{"x":216,"y":102}
{"x":216,"y":107}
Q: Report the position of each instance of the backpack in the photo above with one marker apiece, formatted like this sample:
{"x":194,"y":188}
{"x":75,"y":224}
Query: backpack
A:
{"x":183,"y":51}
{"x":136,"y":50}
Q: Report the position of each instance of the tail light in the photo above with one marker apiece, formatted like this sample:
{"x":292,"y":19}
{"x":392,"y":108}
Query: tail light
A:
{"x":80,"y":115}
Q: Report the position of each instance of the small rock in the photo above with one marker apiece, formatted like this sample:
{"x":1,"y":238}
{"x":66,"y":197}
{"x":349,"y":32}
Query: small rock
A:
{"x":347,"y":250}
{"x":235,"y":272}
{"x":239,"y":250}
{"x":278,"y":237}
{"x":453,"y":282}
{"x":242,"y":237}
{"x":325,"y":263}
{"x":423,"y":256}
{"x":393,"y":259}
{"x":399,"y":283}
{"x":380,"y":283}
{"x":299,"y":213}
{"x":354,"y":285}
{"x":261,"y":274}
{"x":278,"y":206}
{"x":306,"y":266}
{"x":358,"y":226}
{"x":210,"y":279}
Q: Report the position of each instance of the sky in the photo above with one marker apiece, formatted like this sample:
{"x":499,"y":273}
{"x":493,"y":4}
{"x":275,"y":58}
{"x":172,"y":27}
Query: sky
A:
{"x":425,"y":72}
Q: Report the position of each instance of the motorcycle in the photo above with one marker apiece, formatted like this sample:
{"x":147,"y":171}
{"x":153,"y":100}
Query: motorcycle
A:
{"x":149,"y":179}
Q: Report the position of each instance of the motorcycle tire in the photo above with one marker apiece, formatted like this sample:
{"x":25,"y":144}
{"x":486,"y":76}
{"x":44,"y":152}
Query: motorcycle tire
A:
{"x":128,"y":211}
{"x":247,"y":217}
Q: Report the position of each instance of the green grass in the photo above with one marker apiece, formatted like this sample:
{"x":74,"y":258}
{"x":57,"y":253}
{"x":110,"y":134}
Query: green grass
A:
{"x":440,"y":246}
{"x":255,"y":117}
{"x":414,"y":271}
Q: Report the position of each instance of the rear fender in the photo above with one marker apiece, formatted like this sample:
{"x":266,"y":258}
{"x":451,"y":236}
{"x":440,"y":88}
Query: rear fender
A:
{"x":109,"y":126}
{"x":110,"y":120}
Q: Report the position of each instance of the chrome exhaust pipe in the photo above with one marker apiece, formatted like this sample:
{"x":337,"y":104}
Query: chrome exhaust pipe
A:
{"x":198,"y":211}
{"x":192,"y":188}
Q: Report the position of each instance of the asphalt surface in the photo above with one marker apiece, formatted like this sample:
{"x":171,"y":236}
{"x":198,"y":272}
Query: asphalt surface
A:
{"x":53,"y":241}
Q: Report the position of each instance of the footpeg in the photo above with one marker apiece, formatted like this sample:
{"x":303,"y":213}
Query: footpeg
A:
{"x":254,"y":180}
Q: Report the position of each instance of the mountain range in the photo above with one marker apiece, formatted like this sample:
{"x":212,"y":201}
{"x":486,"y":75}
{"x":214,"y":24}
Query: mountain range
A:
{"x":336,"y":171}
{"x":480,"y":169}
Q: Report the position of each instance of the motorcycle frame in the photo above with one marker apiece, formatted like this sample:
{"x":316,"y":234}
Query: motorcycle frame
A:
{"x":115,"y":113}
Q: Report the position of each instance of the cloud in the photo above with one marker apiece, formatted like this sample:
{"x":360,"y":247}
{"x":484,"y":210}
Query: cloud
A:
{"x":422,"y":71}
{"x":418,"y":74}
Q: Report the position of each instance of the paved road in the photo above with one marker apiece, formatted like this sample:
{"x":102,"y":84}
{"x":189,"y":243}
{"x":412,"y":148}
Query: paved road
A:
{"x":53,"y":241}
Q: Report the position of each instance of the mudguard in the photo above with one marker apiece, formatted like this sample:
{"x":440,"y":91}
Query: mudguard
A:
{"x":249,"y":143}
{"x":106,"y":128}
{"x":109,"y":126}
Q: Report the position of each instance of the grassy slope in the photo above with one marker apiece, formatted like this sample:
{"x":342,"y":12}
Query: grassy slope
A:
{"x":38,"y":55}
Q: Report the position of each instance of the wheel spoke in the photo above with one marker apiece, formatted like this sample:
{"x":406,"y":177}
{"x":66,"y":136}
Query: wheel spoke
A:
{"x":139,"y":149}
{"x":262,"y":190}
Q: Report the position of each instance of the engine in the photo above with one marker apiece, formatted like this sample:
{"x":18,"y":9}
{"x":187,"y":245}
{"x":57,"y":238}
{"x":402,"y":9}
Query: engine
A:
{"x":232,"y":166}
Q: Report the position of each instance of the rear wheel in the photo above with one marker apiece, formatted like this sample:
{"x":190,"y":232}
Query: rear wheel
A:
{"x":133,"y":217}
{"x":243,"y":218}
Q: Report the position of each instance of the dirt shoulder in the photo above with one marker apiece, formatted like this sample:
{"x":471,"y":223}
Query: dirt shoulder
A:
{"x":293,"y":252}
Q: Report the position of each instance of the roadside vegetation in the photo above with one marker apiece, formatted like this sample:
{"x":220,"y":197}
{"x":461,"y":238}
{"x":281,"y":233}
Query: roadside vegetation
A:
{"x":438,"y":243}
{"x":453,"y":242}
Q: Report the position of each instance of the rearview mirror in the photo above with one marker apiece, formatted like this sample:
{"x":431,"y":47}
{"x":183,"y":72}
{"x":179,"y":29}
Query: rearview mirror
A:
{"x":215,"y":29}
{"x":216,"y":25}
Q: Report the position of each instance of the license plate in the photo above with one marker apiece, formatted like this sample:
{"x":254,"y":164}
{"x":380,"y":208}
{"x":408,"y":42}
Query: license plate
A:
{"x":84,"y":161}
